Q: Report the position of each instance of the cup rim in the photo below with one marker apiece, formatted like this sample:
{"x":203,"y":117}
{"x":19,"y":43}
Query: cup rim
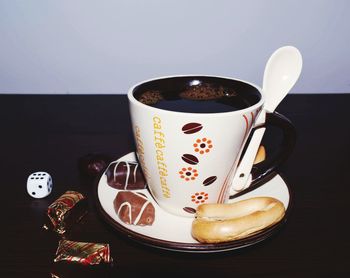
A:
{"x":134,"y":101}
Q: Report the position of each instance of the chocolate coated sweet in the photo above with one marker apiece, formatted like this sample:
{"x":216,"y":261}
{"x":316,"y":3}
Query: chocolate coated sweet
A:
{"x":125,"y":175}
{"x":92,"y":165}
{"x":134,"y":208}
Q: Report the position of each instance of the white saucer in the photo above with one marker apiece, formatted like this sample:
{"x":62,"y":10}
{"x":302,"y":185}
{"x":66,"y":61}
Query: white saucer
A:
{"x":174,"y":232}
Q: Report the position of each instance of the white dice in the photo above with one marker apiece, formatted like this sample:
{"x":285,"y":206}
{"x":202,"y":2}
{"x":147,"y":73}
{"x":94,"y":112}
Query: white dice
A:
{"x":39,"y":184}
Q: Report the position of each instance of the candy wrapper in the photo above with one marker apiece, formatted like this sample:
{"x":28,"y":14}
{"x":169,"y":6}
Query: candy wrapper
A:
{"x":86,"y":253}
{"x":66,"y":211}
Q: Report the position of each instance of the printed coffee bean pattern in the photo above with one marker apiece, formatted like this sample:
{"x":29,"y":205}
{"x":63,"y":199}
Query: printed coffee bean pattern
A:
{"x":189,"y":210}
{"x":190,"y":159}
{"x":209,"y":180}
{"x":199,"y":197}
{"x":201,"y":146}
{"x":191,"y":128}
{"x":188,"y":173}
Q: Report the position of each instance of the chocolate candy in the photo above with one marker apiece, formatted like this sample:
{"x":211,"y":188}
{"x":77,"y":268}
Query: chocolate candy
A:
{"x":67,"y":210}
{"x":125,"y":175}
{"x":190,"y":159}
{"x":92,"y":165}
{"x":86,"y":253}
{"x":134,"y":208}
{"x":191,"y":128}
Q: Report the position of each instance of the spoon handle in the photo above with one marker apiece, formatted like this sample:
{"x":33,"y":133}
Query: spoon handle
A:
{"x":249,"y":176}
{"x":281,"y":73}
{"x":241,"y":180}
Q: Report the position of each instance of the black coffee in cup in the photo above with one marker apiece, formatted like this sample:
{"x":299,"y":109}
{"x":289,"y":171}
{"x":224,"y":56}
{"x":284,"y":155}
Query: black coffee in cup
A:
{"x":197,"y":94}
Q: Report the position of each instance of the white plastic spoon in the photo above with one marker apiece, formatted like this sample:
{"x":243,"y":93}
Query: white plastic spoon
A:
{"x":281,"y":73}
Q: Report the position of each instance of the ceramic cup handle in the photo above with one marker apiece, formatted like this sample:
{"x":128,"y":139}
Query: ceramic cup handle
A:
{"x":265,"y":169}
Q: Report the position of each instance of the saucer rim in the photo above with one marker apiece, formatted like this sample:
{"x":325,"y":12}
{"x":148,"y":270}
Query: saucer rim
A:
{"x":193,"y":247}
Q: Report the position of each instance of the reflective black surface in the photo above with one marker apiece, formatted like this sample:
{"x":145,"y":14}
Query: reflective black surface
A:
{"x":51,"y":133}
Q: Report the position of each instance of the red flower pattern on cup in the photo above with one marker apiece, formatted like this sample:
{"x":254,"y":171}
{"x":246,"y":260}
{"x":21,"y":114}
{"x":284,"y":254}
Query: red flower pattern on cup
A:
{"x":188,"y":173}
{"x":202,"y":145}
{"x":199,"y":197}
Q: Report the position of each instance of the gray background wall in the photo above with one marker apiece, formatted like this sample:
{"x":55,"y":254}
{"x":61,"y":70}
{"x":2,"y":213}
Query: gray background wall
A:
{"x":91,"y":47}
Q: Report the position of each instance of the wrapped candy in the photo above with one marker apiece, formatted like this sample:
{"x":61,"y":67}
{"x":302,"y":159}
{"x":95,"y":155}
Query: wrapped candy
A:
{"x":86,"y":253}
{"x":67,"y":210}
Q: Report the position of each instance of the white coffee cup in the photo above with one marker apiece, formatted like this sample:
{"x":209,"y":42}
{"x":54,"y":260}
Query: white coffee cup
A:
{"x":190,"y":158}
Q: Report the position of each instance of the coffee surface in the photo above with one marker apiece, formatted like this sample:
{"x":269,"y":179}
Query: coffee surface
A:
{"x":195,"y":97}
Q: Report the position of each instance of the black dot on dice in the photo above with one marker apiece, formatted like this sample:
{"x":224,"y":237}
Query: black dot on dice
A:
{"x":40,"y":186}
{"x":33,"y":193}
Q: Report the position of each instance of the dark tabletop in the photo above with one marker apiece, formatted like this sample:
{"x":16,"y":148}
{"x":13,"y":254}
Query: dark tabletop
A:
{"x":51,"y":133}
